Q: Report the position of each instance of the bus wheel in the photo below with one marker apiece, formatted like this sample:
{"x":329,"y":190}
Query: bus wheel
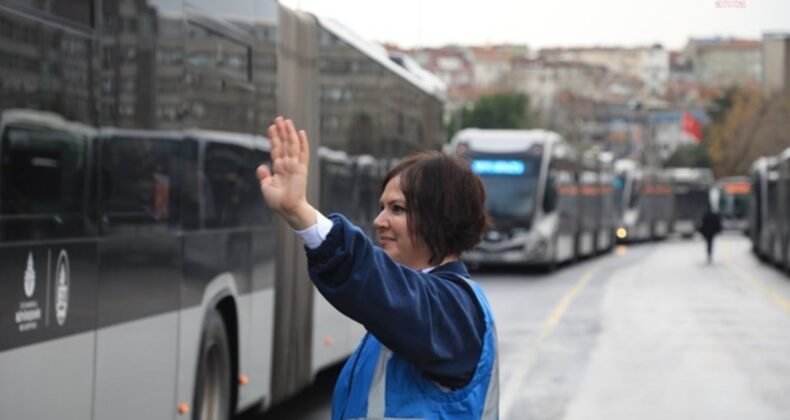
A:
{"x":550,"y":267}
{"x":212,"y":388}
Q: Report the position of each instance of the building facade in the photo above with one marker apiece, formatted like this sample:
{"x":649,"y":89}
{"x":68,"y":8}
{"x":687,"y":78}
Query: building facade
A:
{"x":776,"y":63}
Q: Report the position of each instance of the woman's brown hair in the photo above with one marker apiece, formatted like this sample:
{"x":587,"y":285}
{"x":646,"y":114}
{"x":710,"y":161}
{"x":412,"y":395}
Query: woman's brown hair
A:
{"x":445,"y":202}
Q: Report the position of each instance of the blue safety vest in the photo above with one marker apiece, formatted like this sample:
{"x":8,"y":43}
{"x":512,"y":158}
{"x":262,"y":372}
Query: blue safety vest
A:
{"x":378,"y":384}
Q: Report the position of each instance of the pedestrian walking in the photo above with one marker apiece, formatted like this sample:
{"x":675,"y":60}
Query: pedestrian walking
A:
{"x":710,"y":226}
{"x":430,"y":350}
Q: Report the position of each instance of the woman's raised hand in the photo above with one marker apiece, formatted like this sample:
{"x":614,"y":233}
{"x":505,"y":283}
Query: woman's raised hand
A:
{"x":285,"y":187}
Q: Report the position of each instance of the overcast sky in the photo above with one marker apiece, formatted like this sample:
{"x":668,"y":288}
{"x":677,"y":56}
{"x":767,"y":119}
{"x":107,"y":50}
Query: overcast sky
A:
{"x":551,"y":23}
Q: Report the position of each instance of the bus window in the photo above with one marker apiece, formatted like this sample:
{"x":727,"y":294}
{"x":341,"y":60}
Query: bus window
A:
{"x":139,"y":185}
{"x":213,"y":51}
{"x":636,"y":191}
{"x":42,"y":183}
{"x":227,"y":188}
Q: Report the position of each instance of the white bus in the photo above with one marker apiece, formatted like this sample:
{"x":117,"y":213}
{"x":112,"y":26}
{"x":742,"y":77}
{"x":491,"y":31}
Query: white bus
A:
{"x":691,"y":194}
{"x":731,"y":196}
{"x":141,"y":275}
{"x":547,"y":201}
{"x":644,"y":202}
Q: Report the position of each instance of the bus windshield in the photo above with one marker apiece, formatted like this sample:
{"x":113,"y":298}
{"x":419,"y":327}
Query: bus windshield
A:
{"x":734,"y":206}
{"x":511,"y":184}
{"x":734,"y":200}
{"x":690,"y":202}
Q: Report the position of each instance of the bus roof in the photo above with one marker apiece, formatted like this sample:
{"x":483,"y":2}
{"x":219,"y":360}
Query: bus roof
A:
{"x":423,"y":79}
{"x":502,"y":141}
{"x":701,"y":175}
{"x":762,"y":164}
{"x":43,"y":119}
{"x":332,"y":155}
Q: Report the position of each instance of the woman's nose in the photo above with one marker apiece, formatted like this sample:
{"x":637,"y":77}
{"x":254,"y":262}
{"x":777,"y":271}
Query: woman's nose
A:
{"x":380,"y":221}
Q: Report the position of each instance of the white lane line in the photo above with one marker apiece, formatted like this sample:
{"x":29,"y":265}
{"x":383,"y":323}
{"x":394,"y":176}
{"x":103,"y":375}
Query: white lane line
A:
{"x":511,"y":388}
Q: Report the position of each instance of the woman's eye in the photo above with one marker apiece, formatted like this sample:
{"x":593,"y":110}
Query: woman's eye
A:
{"x":398,"y":209}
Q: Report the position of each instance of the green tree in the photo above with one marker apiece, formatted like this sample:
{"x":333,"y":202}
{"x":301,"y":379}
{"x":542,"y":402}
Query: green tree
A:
{"x":500,"y":110}
{"x":721,"y":105}
{"x":689,"y":156}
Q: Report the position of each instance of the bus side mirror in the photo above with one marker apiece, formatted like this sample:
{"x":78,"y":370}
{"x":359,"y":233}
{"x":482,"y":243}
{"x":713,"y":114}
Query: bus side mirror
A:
{"x":550,"y":196}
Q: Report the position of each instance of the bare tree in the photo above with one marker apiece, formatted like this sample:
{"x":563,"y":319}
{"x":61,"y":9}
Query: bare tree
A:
{"x":752,"y":127}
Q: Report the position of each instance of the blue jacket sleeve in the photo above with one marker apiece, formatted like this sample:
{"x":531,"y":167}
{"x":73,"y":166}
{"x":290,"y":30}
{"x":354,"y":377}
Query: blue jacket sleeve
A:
{"x":430,"y":319}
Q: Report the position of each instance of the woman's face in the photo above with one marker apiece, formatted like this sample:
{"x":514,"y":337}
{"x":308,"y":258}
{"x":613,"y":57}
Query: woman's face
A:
{"x":393,"y":229}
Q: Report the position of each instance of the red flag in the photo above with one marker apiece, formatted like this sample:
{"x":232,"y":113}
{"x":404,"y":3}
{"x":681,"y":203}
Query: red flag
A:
{"x":692,"y":125}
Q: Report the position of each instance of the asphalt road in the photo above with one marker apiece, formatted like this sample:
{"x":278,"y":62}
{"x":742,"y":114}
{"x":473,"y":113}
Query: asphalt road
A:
{"x":649,"y":331}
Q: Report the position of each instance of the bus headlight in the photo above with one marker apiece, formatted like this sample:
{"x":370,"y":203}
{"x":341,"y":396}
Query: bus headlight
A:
{"x":621,"y":233}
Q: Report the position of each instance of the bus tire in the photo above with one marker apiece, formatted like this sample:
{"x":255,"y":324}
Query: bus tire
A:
{"x":212,"y":387}
{"x":550,"y":267}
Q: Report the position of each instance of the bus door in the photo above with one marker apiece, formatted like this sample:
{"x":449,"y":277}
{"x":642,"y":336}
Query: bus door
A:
{"x":663,"y":206}
{"x":770,"y":238}
{"x":337,"y":195}
{"x":608,"y":218}
{"x":140,"y":275}
{"x":643,"y":197}
{"x":567,"y":205}
{"x":48,"y":280}
{"x":590,"y":210}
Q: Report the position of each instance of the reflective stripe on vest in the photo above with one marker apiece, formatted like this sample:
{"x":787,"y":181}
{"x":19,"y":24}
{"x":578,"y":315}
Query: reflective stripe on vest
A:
{"x":388,"y":385}
{"x":377,"y":396}
{"x":491,"y":408}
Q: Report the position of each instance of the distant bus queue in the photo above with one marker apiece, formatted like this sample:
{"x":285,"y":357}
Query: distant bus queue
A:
{"x":553,"y":204}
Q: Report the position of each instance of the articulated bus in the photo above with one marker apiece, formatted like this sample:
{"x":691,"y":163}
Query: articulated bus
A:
{"x":141,"y":274}
{"x":546,"y":202}
{"x":760,"y":203}
{"x":691,"y":191}
{"x":769,"y":218}
{"x":731,"y":196}
{"x":644,"y":201}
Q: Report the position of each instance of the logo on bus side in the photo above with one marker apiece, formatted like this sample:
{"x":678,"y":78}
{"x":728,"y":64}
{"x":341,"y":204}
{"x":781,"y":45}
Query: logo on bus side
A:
{"x":62,"y":283}
{"x":30,"y":276}
{"x":28,"y":315}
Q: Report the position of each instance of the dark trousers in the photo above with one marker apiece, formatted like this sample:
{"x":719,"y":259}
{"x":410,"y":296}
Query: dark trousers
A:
{"x":709,"y":240}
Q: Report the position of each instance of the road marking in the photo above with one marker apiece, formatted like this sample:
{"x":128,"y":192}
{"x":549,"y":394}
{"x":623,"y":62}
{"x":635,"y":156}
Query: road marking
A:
{"x":747,"y":277}
{"x":524,"y":364}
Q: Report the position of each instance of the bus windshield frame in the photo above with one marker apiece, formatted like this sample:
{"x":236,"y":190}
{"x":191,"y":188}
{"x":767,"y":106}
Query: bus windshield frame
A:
{"x":511,"y":181}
